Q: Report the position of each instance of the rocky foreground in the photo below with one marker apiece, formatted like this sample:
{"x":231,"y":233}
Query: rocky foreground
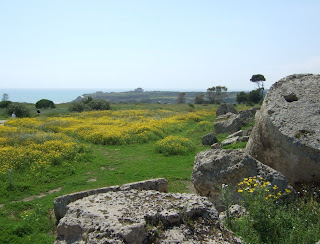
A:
{"x":134,"y":216}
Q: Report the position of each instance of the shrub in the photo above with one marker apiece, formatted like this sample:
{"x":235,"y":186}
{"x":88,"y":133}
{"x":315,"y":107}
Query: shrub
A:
{"x":4,"y":104}
{"x":45,"y":103}
{"x":77,"y":107}
{"x":99,"y":104}
{"x":19,"y":109}
{"x":87,"y":100}
{"x":242,"y":97}
{"x":254,"y":96}
{"x":174,"y":145}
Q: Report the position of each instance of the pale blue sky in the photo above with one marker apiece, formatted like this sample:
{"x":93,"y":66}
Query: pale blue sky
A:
{"x":167,"y":44}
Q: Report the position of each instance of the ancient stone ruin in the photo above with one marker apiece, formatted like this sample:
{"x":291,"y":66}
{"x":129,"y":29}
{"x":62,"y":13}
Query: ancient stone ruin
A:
{"x":232,"y":122}
{"x":286,"y":135}
{"x":128,"y":215}
{"x":214,"y":168}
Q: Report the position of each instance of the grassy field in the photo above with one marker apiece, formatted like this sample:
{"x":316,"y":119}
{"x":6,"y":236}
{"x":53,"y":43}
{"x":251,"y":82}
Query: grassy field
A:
{"x":59,"y":153}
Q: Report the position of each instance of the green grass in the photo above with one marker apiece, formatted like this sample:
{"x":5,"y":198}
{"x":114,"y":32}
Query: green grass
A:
{"x":33,"y":221}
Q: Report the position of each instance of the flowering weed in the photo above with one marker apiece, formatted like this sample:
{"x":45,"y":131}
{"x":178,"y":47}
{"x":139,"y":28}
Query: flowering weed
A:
{"x":273,"y":218}
{"x":174,"y":145}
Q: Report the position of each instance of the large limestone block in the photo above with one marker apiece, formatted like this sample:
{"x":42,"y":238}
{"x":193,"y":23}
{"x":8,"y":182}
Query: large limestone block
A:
{"x":61,"y":203}
{"x":286,"y":135}
{"x":136,"y":217}
{"x":227,"y":123}
{"x":214,"y":168}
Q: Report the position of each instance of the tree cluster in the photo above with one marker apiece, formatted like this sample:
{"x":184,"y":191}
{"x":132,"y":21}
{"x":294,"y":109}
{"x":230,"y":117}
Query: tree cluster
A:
{"x":214,"y":95}
{"x":255,"y":96}
{"x":249,"y":98}
{"x":89,"y":104}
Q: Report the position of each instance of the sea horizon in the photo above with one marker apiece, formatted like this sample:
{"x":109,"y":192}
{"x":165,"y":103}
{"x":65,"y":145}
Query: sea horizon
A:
{"x":65,"y":95}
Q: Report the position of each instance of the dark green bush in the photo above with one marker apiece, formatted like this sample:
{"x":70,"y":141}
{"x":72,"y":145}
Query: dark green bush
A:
{"x":99,"y":104}
{"x":4,"y":104}
{"x":45,"y":103}
{"x":251,"y":98}
{"x":255,"y":96}
{"x":19,"y":109}
{"x":242,"y":97}
{"x":77,"y":107}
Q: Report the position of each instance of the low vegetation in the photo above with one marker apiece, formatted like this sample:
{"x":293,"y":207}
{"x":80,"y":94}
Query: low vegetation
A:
{"x":56,"y":153}
{"x":274,"y":216}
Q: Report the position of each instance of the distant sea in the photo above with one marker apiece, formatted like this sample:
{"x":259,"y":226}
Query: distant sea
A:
{"x":55,"y":95}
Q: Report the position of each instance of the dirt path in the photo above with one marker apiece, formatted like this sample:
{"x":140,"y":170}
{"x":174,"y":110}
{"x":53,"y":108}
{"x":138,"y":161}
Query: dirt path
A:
{"x":43,"y":194}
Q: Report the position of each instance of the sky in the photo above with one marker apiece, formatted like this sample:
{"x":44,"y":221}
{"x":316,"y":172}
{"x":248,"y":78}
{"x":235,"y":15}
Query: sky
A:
{"x":156,"y":45}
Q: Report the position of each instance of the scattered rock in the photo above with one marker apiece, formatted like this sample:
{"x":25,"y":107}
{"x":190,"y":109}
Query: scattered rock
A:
{"x":133,"y":216}
{"x":209,"y":139}
{"x":238,"y":133}
{"x":246,"y":116}
{"x":230,"y":140}
{"x":224,"y":117}
{"x":212,"y":168}
{"x":228,"y":123}
{"x":286,"y":135}
{"x":235,"y":139}
{"x":225,"y":108}
{"x":215,"y":146}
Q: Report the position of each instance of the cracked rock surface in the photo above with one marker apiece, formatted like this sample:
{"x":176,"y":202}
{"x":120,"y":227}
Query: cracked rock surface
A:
{"x":142,"y":217}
